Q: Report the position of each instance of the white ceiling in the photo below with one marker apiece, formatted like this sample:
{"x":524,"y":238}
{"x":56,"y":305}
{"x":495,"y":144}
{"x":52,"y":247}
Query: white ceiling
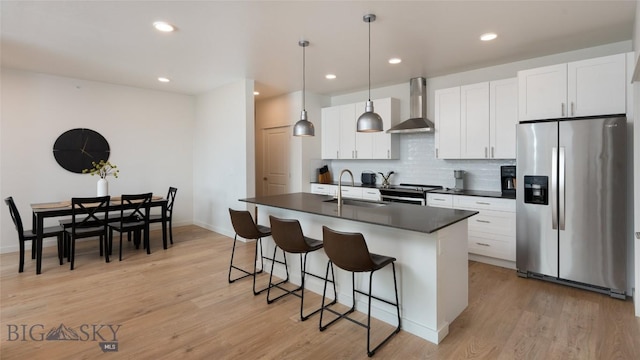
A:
{"x":219,"y":42}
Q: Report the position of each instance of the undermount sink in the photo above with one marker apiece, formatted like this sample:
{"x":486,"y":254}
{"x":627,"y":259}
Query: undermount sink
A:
{"x":361,"y":203}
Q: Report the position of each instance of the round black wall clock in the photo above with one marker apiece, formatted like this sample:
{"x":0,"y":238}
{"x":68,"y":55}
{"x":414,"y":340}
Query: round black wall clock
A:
{"x":75,"y":149}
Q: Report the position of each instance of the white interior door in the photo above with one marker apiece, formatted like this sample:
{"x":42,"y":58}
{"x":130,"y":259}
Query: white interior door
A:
{"x":275,"y":154}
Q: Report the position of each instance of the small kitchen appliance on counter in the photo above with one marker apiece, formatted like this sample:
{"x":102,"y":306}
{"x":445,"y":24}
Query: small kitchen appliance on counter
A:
{"x":508,"y":180}
{"x":459,"y":176}
{"x":368,"y":178}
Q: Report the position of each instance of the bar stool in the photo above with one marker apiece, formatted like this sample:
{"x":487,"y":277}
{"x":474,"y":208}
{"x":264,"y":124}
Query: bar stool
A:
{"x":245,"y":227}
{"x":288,"y":236}
{"x":349,"y":252}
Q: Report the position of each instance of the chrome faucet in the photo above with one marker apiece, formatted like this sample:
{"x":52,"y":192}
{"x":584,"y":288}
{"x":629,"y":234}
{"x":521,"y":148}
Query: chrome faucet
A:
{"x":340,"y":186}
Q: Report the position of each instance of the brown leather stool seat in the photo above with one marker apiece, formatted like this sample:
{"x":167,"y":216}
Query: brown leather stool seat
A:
{"x":349,"y":252}
{"x":288,"y":236}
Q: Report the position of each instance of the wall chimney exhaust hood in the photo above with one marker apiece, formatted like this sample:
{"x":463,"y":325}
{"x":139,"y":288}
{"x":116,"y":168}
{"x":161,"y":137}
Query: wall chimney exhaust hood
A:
{"x":417,"y":121}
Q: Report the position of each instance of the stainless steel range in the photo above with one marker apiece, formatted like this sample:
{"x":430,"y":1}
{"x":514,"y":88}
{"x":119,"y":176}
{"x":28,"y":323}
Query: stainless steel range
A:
{"x":408,"y":193}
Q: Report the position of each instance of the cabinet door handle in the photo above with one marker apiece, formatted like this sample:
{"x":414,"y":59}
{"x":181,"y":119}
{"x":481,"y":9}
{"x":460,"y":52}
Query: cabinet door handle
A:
{"x":388,"y":154}
{"x":562,"y":109}
{"x":482,"y":203}
{"x":484,"y":221}
{"x":337,"y":157}
{"x":483,"y":244}
{"x":485,"y":152}
{"x":439,"y":199}
{"x":638,"y":235}
{"x":436,"y":153}
{"x":352,"y":154}
{"x":492,"y":154}
{"x":572,"y":111}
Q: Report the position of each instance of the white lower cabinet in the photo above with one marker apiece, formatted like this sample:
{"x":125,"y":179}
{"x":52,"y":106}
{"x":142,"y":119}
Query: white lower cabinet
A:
{"x":371,"y":194}
{"x":324,"y":189}
{"x":353,"y":192}
{"x":440,"y":200}
{"x":492,"y":232}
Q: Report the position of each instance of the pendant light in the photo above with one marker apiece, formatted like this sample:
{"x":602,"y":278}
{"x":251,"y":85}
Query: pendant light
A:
{"x":369,"y":121}
{"x":303,"y":127}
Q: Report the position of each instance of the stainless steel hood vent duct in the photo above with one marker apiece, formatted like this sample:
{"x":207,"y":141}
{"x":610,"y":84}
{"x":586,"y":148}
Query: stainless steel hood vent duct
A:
{"x":418,"y":121}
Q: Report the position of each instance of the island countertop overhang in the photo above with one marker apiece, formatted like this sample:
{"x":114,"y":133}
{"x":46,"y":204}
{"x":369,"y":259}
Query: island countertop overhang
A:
{"x":422,"y":219}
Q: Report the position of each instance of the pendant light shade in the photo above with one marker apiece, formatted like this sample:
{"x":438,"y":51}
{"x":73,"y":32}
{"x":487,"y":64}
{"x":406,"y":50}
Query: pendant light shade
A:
{"x":303,"y":127}
{"x":369,"y":121}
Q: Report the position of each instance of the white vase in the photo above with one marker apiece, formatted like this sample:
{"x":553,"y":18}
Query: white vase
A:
{"x":103,"y":187}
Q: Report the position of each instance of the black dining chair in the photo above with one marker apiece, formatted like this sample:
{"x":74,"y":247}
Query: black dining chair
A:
{"x":29,"y":235}
{"x":89,"y":218}
{"x":135,"y":219}
{"x":155,"y":218}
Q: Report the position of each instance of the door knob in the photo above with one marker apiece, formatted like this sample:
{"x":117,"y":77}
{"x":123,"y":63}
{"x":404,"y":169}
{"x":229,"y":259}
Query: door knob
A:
{"x":264,"y":178}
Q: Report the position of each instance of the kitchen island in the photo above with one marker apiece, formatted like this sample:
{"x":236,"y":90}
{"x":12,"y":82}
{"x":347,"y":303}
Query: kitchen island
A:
{"x":430,"y":245}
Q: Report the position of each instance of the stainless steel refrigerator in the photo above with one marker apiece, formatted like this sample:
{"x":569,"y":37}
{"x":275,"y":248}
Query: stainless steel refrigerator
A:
{"x":571,"y":202}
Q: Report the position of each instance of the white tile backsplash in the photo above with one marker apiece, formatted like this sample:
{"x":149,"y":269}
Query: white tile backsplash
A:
{"x":418,"y":165}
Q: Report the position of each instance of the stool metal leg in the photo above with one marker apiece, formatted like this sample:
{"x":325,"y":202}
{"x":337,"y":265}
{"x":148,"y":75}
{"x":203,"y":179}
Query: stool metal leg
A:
{"x":247,"y":273}
{"x":300,"y":289}
{"x":370,"y":352}
{"x":271,"y":284}
{"x":326,"y":307}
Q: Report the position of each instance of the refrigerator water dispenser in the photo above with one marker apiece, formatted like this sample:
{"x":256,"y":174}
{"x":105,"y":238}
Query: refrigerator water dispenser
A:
{"x":536,"y":190}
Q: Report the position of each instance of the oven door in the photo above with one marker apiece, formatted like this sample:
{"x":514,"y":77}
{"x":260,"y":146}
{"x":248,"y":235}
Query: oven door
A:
{"x":404,"y":199}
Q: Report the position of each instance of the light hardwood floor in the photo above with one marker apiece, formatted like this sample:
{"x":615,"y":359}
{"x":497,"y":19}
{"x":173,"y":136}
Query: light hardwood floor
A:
{"x":177,"y":303}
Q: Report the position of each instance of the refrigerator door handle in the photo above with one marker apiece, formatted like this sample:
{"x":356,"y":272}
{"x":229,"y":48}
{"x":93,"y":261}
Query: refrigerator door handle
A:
{"x":554,"y":188}
{"x":561,"y":181}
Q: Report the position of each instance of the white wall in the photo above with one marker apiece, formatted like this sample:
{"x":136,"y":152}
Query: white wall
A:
{"x":149,"y":133}
{"x":304,"y":151}
{"x":223,"y":154}
{"x":417,"y":163}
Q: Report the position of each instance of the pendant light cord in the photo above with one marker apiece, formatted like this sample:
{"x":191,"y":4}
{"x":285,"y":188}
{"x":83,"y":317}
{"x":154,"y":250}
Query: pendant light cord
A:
{"x":369,"y":21}
{"x":303,"y":77}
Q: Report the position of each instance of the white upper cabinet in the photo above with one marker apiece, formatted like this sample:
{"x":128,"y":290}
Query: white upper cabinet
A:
{"x":597,"y":86}
{"x":581,"y":88}
{"x":542,"y":92}
{"x":347,"y":134}
{"x":477,"y":121}
{"x":330,"y":130}
{"x":447,"y":123}
{"x":386,"y":146}
{"x":503,"y":118}
{"x":474,"y":121}
{"x":340,"y":140}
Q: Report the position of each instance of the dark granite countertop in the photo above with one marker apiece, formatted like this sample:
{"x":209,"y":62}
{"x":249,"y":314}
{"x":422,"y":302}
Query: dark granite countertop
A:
{"x":423,"y":219}
{"x":491,"y":194}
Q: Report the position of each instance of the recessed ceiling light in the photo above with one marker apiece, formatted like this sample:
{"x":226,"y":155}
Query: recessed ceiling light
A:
{"x":163,"y":79}
{"x":395,"y":61}
{"x":163,"y":26}
{"x":488,"y":36}
{"x":256,"y":93}
{"x":330,"y":76}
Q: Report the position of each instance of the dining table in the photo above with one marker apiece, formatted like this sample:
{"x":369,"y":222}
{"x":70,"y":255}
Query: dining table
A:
{"x":42,"y":211}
